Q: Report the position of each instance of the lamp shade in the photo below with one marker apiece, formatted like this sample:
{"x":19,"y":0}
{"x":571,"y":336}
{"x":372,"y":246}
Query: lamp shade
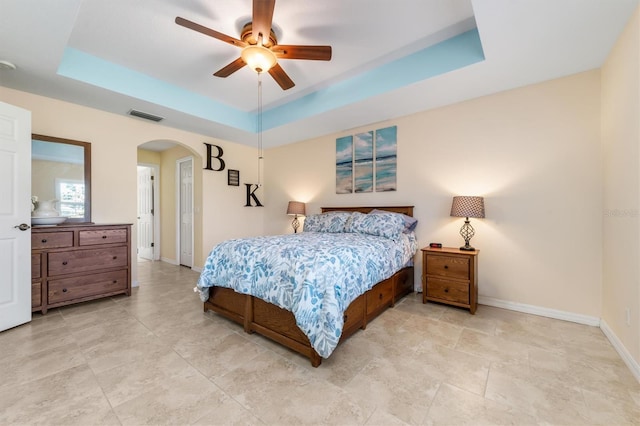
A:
{"x":296,"y":208}
{"x":466,"y":206}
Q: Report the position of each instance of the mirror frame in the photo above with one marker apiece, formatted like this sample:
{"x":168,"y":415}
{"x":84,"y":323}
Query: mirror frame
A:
{"x":87,"y":173}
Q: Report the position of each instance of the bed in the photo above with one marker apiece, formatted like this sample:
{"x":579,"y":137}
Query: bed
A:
{"x":259,"y":311}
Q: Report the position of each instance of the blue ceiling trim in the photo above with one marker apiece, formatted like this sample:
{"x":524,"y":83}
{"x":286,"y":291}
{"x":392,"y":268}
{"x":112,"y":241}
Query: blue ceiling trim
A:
{"x":451,"y":54}
{"x":454,"y":53}
{"x":98,"y":72}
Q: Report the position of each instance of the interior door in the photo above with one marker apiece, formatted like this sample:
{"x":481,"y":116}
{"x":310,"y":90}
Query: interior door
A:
{"x":15,"y":216}
{"x":186,"y":211}
{"x":145,"y":212}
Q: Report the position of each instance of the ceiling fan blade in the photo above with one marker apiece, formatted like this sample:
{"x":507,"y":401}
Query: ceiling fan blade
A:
{"x":316,"y":53}
{"x":281,"y":77}
{"x":208,"y":31}
{"x":230,"y":69}
{"x":262,"y":18}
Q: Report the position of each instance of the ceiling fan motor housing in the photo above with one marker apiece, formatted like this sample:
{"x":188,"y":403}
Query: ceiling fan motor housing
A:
{"x":247,"y":36}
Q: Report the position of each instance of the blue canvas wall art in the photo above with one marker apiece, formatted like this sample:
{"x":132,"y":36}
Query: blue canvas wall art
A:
{"x":363,"y":161}
{"x":344,"y":165}
{"x":386,"y":159}
{"x":367,"y":161}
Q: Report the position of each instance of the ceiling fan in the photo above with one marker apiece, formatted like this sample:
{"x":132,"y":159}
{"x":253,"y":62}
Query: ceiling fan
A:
{"x":260,"y":48}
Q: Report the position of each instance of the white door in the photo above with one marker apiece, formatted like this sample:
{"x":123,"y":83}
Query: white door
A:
{"x":145,"y":212}
{"x":15,"y":216}
{"x":185,"y":188}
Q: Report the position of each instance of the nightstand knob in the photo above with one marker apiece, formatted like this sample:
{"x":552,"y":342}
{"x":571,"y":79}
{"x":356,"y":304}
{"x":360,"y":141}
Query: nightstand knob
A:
{"x":446,"y":290}
{"x":446,"y":266}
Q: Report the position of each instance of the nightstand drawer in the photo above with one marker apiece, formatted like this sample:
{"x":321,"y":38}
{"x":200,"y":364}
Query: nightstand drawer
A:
{"x":453,"y":291}
{"x":448,"y":266}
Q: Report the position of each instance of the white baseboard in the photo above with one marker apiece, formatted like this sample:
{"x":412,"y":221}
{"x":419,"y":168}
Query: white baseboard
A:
{"x":537,"y":310}
{"x":174,"y":262}
{"x":569,"y":316}
{"x":621,"y":349}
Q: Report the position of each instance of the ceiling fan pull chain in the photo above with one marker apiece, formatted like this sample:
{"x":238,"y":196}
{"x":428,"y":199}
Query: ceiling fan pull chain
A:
{"x":259,"y":130}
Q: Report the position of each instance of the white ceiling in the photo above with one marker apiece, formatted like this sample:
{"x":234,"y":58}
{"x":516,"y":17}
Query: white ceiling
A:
{"x":523,"y":41}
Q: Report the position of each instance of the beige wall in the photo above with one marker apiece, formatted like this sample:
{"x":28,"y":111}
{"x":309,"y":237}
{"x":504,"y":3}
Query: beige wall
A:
{"x":114,"y":142}
{"x":148,"y":157}
{"x":534,"y":153}
{"x":621,"y":159}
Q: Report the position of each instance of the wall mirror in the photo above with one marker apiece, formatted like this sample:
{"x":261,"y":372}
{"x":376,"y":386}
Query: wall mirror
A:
{"x":61,"y":170}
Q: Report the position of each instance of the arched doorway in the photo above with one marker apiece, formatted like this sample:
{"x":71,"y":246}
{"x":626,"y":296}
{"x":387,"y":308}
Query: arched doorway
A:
{"x":166,"y":192}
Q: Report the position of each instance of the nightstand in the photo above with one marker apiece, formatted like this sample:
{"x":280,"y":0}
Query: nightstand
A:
{"x":450,"y":275}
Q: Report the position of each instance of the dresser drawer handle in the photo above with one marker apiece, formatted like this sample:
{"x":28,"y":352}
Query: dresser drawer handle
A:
{"x":115,"y":257}
{"x":380,"y":296}
{"x":446,"y":266}
{"x":64,"y":290}
{"x":65,"y":262}
{"x":104,"y":237}
{"x":44,"y":240}
{"x":115,"y":282}
{"x":446,"y":290}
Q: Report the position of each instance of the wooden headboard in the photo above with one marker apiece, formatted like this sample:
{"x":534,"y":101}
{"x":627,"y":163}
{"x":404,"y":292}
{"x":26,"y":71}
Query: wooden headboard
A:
{"x":408,"y":210}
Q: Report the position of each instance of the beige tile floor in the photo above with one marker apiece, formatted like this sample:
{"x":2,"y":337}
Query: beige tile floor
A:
{"x":156,"y":358}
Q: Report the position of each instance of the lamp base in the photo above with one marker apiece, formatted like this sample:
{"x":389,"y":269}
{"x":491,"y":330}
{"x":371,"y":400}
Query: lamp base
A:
{"x":467,"y":232}
{"x":295,"y":224}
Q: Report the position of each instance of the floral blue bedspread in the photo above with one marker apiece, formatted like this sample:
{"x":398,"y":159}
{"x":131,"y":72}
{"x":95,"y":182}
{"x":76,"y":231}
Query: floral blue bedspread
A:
{"x":315,"y":275}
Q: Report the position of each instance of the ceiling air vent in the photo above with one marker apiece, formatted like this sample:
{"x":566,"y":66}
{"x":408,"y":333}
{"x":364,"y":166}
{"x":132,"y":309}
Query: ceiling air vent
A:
{"x":145,"y":115}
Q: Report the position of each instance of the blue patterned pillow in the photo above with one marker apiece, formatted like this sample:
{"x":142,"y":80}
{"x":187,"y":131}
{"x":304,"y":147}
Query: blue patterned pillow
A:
{"x":326,"y":222}
{"x":388,"y":225}
{"x":410,"y":223}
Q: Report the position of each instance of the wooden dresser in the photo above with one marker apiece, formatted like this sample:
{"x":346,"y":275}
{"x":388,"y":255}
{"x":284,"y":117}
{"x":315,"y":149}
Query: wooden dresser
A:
{"x":76,"y":263}
{"x":450,"y":276}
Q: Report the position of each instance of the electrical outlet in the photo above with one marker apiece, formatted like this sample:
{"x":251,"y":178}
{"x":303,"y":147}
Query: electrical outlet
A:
{"x":627,"y":312}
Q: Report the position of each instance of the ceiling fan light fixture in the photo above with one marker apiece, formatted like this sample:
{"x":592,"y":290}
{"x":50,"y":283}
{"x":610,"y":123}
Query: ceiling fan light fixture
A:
{"x":258,"y":58}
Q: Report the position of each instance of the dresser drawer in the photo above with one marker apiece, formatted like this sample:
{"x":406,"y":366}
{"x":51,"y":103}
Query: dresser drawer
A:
{"x":86,"y":285}
{"x":453,"y":291}
{"x":86,"y":260}
{"x":104,"y":236}
{"x":36,"y":294}
{"x":36,"y":265}
{"x":448,"y":266}
{"x":47,"y":240}
{"x":380,"y":295}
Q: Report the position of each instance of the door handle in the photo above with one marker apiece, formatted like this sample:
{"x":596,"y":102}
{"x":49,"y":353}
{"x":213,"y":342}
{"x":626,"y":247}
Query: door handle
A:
{"x":22,"y":226}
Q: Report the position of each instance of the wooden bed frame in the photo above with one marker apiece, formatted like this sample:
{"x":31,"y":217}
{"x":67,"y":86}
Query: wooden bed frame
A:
{"x":279,"y":325}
